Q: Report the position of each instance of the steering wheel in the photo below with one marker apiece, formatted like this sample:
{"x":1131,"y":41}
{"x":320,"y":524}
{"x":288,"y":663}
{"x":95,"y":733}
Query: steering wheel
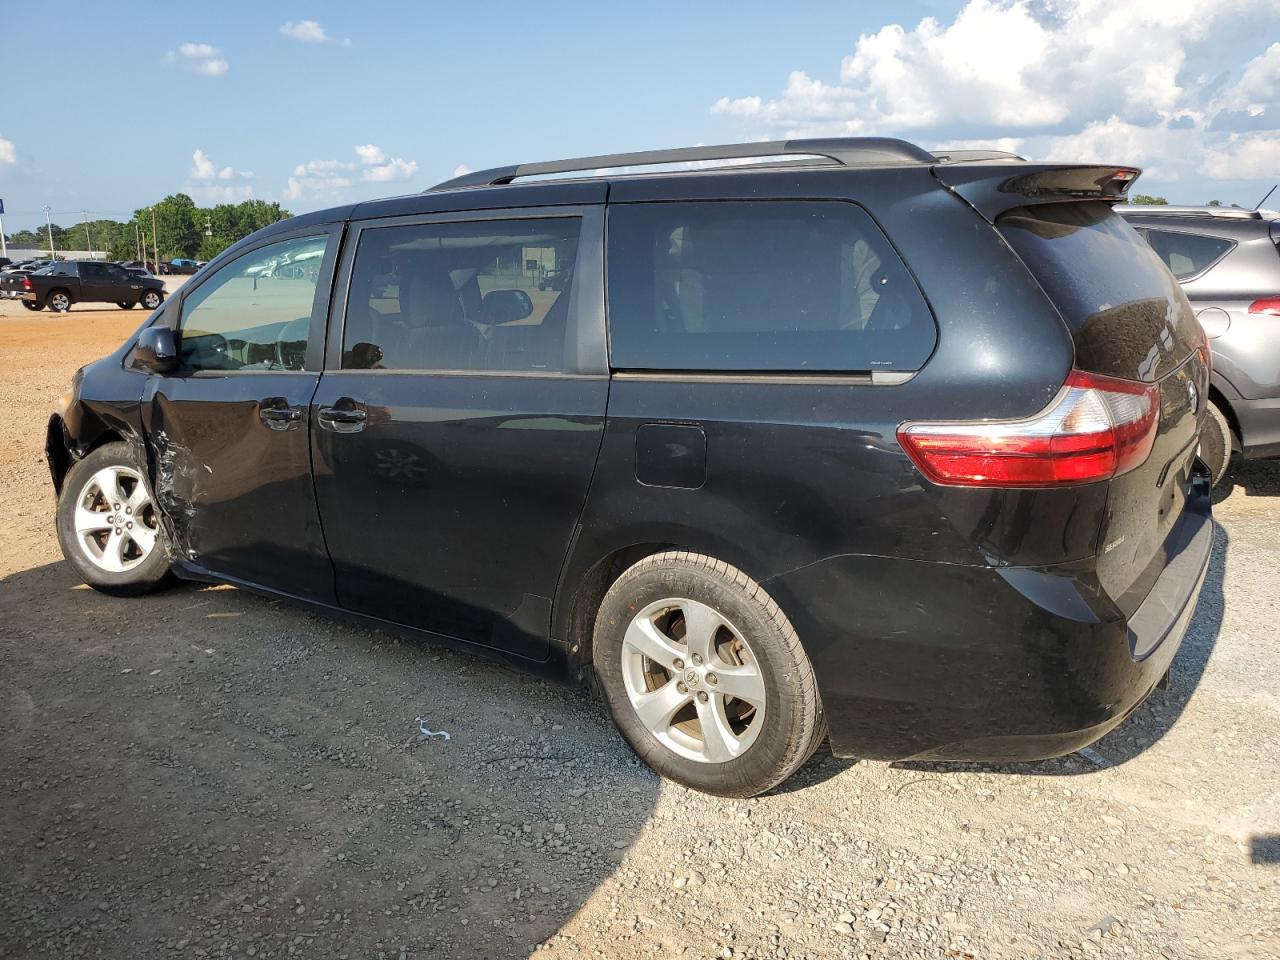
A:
{"x":288,"y":354}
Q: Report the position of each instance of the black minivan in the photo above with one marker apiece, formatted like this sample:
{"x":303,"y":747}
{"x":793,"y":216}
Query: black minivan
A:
{"x":849,"y":438}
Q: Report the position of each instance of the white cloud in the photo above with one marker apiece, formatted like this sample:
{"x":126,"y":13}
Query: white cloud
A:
{"x":7,"y":152}
{"x":461,"y":170}
{"x":202,"y":58}
{"x":1151,"y":82}
{"x":205,"y":169}
{"x":321,"y":179}
{"x":309,"y":31}
{"x":207,"y":183}
{"x":1245,"y":157}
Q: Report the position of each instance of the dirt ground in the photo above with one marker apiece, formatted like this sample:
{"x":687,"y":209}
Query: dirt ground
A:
{"x":206,"y":773}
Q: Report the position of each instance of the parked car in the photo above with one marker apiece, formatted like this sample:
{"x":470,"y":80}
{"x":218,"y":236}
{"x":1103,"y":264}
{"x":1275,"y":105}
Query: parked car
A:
{"x":874,"y":443}
{"x":179,"y":267}
{"x":27,"y":265}
{"x":1228,"y":262}
{"x":140,"y":265}
{"x":67,"y":282}
{"x":553,"y":280}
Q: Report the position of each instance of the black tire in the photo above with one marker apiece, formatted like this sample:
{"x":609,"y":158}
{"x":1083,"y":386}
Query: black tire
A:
{"x":127,"y":305}
{"x":793,"y":724}
{"x":32,"y":305}
{"x":151,"y":299}
{"x":151,"y":571}
{"x":59,"y":300}
{"x":1215,"y":442}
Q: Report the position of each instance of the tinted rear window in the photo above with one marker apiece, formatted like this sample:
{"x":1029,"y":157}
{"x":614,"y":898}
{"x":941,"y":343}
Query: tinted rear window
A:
{"x":1127,"y":314}
{"x":1187,"y":254}
{"x":760,"y":286}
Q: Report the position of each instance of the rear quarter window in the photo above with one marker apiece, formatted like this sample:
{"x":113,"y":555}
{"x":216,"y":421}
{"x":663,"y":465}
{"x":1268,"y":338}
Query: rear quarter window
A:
{"x":1126,"y":313}
{"x":766,"y":286}
{"x":1187,"y":254}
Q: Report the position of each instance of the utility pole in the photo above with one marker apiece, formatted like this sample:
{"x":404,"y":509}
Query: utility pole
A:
{"x":155,"y":240}
{"x":84,"y":216}
{"x":49,"y":224}
{"x":4,"y":244}
{"x":137,"y":235}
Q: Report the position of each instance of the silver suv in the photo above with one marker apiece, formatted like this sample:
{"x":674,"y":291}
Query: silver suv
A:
{"x":1228,"y":262}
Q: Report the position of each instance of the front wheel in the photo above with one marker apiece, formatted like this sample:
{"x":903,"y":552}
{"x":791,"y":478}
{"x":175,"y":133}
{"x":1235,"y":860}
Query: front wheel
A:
{"x":108,"y":527}
{"x":151,"y":299}
{"x":705,"y":676}
{"x":126,"y":304}
{"x":32,"y":305}
{"x":1215,"y":442}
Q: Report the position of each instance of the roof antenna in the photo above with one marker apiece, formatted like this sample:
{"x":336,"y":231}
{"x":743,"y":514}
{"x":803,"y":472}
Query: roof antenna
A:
{"x":1264,"y":199}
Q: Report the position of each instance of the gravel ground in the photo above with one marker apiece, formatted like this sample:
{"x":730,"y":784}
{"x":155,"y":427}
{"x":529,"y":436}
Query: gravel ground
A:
{"x":206,"y":773}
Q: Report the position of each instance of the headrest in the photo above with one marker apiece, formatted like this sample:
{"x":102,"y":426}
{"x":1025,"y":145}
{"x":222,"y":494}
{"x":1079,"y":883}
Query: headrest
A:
{"x":432,"y":301}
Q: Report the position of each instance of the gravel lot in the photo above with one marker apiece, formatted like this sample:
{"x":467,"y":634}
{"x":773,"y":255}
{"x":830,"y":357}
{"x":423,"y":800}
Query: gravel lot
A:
{"x":207,"y":773}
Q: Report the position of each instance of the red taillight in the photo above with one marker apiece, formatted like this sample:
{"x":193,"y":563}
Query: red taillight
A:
{"x":1096,"y":428}
{"x":26,"y":283}
{"x":1268,"y":305}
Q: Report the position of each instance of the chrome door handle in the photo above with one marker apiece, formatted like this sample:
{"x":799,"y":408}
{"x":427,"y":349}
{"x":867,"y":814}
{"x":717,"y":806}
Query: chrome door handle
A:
{"x":344,"y":419}
{"x":276,"y":413}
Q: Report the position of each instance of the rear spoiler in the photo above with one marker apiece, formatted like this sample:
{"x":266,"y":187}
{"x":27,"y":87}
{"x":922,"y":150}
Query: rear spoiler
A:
{"x":995,"y":188}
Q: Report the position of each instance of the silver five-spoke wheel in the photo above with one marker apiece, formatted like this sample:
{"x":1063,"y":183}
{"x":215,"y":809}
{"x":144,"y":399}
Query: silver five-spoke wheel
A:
{"x":115,"y":520}
{"x":693,"y":680}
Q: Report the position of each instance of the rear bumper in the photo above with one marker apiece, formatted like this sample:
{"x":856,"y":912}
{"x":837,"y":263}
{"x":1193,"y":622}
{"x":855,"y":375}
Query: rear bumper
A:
{"x":936,"y":661}
{"x":1259,"y":422}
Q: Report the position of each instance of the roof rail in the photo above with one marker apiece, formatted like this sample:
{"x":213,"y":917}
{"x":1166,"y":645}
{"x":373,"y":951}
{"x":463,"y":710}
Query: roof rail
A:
{"x":968,"y":156}
{"x":1167,"y":210}
{"x":840,"y":151}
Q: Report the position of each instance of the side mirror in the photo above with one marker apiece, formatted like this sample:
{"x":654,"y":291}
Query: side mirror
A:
{"x":157,"y":350}
{"x":504,"y":306}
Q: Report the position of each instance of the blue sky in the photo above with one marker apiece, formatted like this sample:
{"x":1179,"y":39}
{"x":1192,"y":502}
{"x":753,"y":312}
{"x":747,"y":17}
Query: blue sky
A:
{"x":316,"y":103}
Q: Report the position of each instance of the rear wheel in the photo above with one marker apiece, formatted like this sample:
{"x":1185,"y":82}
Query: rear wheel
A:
{"x":151,"y":299}
{"x":32,"y":305}
{"x":1215,"y":442}
{"x":127,"y":304}
{"x":705,"y":676}
{"x":108,"y":527}
{"x":59,"y":301}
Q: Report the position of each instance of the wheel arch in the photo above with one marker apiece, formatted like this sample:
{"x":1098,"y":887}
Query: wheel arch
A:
{"x":70,"y":297}
{"x":61,"y":452}
{"x":593,"y":567}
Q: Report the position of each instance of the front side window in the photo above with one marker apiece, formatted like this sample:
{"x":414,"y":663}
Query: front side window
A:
{"x":771,"y":286}
{"x":1187,"y":254}
{"x":481,"y":295}
{"x":255,"y":312}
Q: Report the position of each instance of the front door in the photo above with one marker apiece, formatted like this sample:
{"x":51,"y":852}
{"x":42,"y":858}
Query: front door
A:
{"x":459,"y":417}
{"x":228,"y":431}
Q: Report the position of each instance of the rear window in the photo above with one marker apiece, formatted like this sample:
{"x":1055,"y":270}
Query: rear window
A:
{"x":1187,"y":254}
{"x":810,"y":286}
{"x":1127,"y":314}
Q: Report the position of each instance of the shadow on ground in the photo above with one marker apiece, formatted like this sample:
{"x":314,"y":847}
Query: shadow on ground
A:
{"x":209,"y":771}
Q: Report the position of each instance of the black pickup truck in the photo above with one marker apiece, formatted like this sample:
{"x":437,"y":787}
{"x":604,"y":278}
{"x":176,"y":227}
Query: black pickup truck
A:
{"x":61,"y":284}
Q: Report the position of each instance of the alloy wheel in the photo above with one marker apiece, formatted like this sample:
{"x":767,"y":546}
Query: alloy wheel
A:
{"x":115,"y":521}
{"x":693,"y":680}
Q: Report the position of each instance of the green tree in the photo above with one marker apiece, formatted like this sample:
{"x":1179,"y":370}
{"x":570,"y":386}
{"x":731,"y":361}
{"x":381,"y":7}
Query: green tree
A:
{"x":176,"y":230}
{"x":1146,"y":198}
